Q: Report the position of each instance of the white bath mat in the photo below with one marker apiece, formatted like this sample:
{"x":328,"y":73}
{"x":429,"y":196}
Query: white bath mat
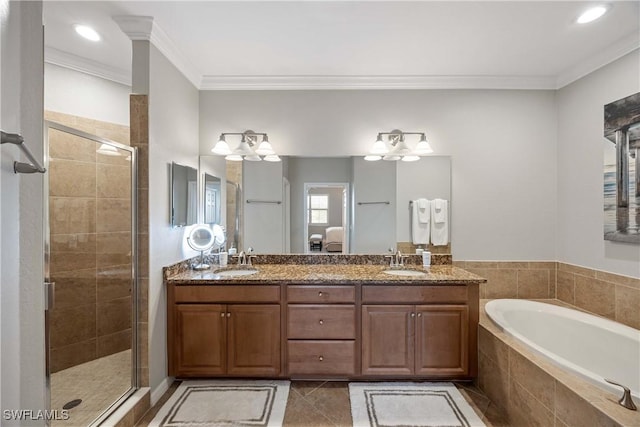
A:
{"x":410,"y":404}
{"x":225,"y":403}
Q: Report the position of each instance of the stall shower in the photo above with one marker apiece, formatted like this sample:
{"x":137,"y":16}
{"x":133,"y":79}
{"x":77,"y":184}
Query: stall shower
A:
{"x":90,"y":256}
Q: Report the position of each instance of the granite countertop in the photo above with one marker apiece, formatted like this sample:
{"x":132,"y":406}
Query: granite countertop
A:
{"x":276,"y":274}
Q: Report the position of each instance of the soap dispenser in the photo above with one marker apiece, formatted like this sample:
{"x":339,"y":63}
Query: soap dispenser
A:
{"x":223,"y":257}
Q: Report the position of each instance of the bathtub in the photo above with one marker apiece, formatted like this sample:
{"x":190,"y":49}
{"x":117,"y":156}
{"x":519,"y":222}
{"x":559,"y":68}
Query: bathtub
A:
{"x":589,"y":346}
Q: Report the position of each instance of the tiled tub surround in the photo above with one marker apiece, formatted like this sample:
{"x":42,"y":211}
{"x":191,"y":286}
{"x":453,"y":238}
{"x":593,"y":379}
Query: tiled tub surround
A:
{"x":532,"y":391}
{"x":608,"y":295}
{"x":89,"y":204}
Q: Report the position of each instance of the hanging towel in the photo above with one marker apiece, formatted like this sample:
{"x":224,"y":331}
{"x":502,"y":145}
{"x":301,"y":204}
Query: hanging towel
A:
{"x":424,"y":211}
{"x":419,"y":230}
{"x":439,"y":222}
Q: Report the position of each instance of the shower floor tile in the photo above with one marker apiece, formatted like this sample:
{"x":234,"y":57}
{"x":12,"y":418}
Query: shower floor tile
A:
{"x":98,"y":383}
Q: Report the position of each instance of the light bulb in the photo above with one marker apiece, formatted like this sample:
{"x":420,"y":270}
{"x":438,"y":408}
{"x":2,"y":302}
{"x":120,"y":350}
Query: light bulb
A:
{"x":265,"y":148}
{"x":372,"y":158}
{"x":423,"y":146}
{"x":221,"y":147}
{"x":410,"y":158}
{"x":272,"y":158}
{"x":379,"y":147}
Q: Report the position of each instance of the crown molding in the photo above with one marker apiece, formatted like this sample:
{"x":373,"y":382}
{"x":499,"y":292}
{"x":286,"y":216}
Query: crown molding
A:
{"x":144,"y":28}
{"x":135,"y":27}
{"x":374,"y":82}
{"x":87,"y":66}
{"x":615,"y":51}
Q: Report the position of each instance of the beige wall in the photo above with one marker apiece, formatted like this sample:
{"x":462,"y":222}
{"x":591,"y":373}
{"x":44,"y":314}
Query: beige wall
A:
{"x":90,"y":229}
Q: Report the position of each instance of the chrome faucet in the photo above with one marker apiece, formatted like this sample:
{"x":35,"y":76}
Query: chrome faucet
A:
{"x":244,"y":258}
{"x":397,"y":259}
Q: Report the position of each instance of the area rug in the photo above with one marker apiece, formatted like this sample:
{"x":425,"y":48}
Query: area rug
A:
{"x":410,"y":404}
{"x":225,"y":403}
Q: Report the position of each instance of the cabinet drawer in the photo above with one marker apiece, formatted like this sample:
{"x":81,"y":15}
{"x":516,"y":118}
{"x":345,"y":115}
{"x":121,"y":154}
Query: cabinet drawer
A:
{"x":318,"y":294}
{"x":321,"y":357}
{"x":314,"y":321}
{"x":414,"y":294}
{"x":227,"y":293}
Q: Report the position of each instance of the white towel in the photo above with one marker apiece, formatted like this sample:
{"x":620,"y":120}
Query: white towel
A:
{"x":439,"y":222}
{"x":424,"y":210}
{"x":419,"y":230}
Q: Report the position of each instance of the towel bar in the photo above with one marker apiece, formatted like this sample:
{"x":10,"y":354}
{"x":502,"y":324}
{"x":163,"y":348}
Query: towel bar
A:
{"x":277,"y":202}
{"x":374,"y":203}
{"x":21,"y":167}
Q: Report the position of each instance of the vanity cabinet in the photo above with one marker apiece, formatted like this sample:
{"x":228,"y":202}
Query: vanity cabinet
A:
{"x":430,"y":338}
{"x":224,"y":330}
{"x":321,"y":330}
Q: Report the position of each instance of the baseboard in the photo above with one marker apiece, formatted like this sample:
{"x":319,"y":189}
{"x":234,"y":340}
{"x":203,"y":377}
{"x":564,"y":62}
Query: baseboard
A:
{"x":161,"y":389}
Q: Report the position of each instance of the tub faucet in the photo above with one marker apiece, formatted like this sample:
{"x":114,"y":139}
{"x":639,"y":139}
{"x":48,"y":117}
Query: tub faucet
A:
{"x":626,"y":399}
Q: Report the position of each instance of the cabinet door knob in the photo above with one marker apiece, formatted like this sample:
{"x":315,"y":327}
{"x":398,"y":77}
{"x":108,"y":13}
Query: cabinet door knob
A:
{"x":221,"y":314}
{"x":419,"y":314}
{"x":320,"y":358}
{"x":319,"y":294}
{"x":228,"y":314}
{"x":413,"y":315}
{"x":321,"y":322}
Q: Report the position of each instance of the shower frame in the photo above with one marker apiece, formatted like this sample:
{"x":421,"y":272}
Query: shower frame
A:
{"x":49,"y":286}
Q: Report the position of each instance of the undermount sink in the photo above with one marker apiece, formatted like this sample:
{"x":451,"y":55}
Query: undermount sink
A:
{"x":403,"y":272}
{"x":232,"y":273}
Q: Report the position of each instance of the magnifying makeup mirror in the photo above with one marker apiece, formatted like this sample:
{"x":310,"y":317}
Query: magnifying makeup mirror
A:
{"x":202,"y":238}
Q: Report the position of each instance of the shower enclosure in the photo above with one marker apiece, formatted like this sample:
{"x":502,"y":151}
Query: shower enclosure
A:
{"x":90,"y":256}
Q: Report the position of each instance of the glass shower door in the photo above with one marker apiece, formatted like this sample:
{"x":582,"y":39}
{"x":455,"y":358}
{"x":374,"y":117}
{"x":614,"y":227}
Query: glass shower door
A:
{"x":90,"y":256}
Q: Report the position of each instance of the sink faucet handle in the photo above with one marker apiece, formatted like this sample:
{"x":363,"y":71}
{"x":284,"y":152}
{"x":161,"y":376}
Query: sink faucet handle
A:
{"x":391,"y":258}
{"x":626,"y":399}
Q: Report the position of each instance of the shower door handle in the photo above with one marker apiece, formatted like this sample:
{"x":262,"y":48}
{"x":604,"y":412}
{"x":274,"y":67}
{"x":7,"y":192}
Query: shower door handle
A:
{"x":49,"y":295}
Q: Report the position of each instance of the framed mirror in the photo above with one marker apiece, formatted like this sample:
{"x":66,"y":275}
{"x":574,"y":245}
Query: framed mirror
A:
{"x":212,"y":199}
{"x":184,"y":195}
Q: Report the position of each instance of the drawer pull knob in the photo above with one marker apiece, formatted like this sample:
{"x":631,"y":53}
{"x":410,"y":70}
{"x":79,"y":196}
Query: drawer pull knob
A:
{"x":221,"y":314}
{"x":413,"y":315}
{"x":320,"y":358}
{"x":319,"y":294}
{"x":321,"y":322}
{"x":419,"y":314}
{"x":228,"y":314}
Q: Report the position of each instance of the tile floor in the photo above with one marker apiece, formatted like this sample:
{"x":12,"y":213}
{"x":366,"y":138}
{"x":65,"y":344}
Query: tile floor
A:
{"x":326,"y":404}
{"x":98,"y":383}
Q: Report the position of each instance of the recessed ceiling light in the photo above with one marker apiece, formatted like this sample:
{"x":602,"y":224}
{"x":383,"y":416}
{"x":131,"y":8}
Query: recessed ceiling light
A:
{"x":592,"y":14}
{"x":87,"y":32}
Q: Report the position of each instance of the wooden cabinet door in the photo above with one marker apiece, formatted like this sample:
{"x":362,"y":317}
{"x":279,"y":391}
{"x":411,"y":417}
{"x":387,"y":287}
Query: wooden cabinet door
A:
{"x":387,"y":340}
{"x":200,"y":337}
{"x":441,"y":340}
{"x":253,"y":339}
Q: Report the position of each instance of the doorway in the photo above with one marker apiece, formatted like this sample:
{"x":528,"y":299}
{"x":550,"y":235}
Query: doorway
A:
{"x":90,"y":247}
{"x":326,"y":218}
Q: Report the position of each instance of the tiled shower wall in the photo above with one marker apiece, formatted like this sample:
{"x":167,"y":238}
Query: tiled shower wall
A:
{"x":90,"y":225}
{"x":609,"y":295}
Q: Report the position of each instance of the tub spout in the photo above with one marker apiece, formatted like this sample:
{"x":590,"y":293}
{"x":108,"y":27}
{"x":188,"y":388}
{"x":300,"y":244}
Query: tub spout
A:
{"x":626,"y":399}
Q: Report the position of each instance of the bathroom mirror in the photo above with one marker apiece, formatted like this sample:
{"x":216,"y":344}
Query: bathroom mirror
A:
{"x":184,"y":195}
{"x":374,"y":225}
{"x":212,"y":199}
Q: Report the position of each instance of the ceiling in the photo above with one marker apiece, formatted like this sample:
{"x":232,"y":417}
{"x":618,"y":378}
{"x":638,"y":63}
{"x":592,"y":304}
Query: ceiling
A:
{"x":349,"y":44}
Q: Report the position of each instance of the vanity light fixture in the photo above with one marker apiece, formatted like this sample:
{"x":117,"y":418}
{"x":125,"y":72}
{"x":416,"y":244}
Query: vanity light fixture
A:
{"x":396,"y":148}
{"x":249,"y":149}
{"x":591,"y":14}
